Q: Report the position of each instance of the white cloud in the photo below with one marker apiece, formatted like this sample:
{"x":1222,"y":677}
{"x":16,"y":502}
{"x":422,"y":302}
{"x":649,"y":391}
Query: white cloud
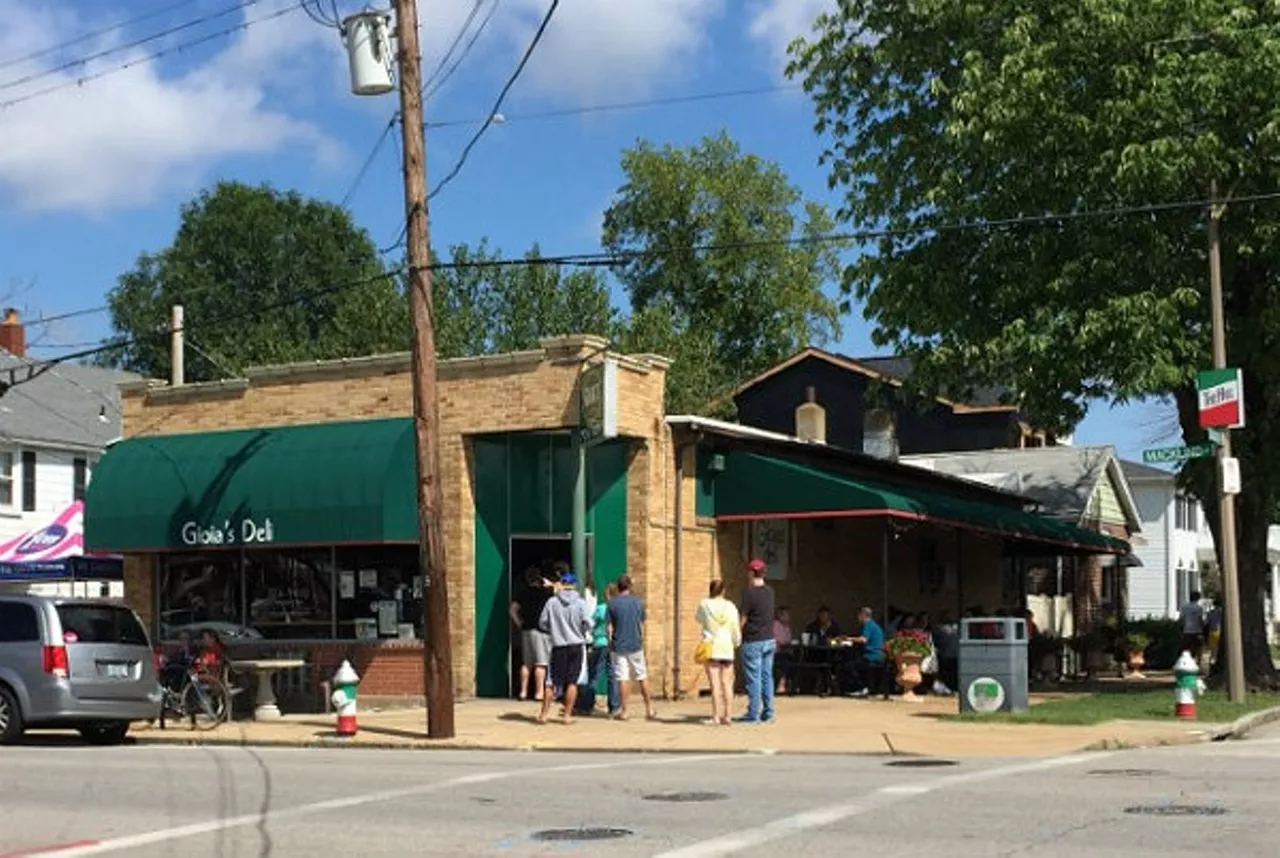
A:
{"x":119,"y":141}
{"x":776,"y":23}
{"x":608,"y":49}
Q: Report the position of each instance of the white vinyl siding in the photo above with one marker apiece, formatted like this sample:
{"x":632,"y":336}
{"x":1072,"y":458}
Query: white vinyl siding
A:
{"x":1149,"y":583}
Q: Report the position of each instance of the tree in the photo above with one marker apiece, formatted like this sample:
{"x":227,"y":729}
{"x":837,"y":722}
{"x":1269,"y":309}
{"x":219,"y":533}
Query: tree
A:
{"x":265,"y":277}
{"x":485,"y":308}
{"x":941,"y":114}
{"x":753,"y":298}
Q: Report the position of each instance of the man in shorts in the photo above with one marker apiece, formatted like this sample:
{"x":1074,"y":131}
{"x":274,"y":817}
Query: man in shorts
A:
{"x":626,"y":636}
{"x":535,"y":644}
{"x":566,"y":619}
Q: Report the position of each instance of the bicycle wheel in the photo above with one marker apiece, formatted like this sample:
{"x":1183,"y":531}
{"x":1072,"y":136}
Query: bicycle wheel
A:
{"x":206,"y":702}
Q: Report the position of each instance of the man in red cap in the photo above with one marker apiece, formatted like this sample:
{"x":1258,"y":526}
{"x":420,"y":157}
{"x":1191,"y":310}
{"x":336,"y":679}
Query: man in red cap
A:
{"x":758,"y":645}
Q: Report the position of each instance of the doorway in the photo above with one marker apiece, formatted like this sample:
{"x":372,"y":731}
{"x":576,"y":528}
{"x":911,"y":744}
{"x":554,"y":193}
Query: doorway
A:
{"x":543,"y":551}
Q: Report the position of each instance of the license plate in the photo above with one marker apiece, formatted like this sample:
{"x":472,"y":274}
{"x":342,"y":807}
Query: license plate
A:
{"x":117,"y":671}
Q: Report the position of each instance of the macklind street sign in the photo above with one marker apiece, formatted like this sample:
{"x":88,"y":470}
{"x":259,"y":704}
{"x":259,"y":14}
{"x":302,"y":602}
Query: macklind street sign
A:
{"x":1221,"y":398}
{"x":1165,"y":455}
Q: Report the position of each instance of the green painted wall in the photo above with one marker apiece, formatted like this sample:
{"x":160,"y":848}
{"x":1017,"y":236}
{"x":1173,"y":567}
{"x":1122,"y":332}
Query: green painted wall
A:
{"x":524,"y":486}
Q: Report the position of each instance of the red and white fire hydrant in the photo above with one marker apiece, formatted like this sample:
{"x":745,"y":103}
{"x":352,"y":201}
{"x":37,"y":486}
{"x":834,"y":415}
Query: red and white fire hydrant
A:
{"x":344,"y":698}
{"x":1186,"y":674}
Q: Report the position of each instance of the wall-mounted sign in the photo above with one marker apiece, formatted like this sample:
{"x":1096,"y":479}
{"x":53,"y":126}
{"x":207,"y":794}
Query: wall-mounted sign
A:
{"x":1221,"y":398}
{"x":771,"y":542}
{"x":598,"y":392}
{"x":246,"y":531}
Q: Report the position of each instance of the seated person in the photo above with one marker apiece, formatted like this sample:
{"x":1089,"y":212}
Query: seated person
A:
{"x":869,"y":667}
{"x":823,"y":629}
{"x":210,"y":659}
{"x":781,"y":642}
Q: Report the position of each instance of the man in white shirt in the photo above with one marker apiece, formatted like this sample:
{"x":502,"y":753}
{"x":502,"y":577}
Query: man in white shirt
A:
{"x":1191,"y":621}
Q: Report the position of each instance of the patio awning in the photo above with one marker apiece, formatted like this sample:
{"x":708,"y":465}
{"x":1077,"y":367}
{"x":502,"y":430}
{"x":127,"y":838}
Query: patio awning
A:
{"x":755,"y":486}
{"x":316,"y":484}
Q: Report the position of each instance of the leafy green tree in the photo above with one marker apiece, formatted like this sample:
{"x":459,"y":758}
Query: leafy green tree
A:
{"x":755,"y":297}
{"x":485,"y":308}
{"x":264,"y":277}
{"x":940,"y":114}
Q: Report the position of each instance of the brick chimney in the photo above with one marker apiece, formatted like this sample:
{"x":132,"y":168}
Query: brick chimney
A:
{"x":13,"y":336}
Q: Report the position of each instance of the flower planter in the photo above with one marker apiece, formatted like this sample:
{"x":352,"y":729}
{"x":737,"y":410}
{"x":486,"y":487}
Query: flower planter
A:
{"x":1137,"y":661}
{"x":908,"y":675}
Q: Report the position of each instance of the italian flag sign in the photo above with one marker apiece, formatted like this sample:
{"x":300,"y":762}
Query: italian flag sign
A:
{"x":1221,"y":398}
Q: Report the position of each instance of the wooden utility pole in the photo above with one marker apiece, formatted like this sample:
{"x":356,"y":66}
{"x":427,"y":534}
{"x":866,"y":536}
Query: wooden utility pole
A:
{"x":1226,"y":501}
{"x":437,"y":651}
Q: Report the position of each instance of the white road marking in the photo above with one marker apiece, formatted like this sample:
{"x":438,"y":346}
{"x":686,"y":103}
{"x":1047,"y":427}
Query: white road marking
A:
{"x":164,"y":835}
{"x":821,"y":817}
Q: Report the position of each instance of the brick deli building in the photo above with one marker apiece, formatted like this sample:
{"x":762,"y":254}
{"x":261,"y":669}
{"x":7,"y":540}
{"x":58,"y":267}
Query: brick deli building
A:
{"x":279,"y":509}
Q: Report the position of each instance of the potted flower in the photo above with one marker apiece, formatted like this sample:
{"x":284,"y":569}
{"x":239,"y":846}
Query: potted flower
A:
{"x":1136,"y":644}
{"x":907,"y":649}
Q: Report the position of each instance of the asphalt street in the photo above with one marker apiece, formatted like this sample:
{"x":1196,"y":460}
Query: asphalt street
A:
{"x":60,"y":798}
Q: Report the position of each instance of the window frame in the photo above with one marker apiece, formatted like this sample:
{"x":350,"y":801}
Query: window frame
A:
{"x":30,"y":480}
{"x":10,"y":479}
{"x":79,"y":477}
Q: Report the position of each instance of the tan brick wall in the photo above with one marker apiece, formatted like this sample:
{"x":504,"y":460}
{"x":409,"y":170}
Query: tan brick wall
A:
{"x":139,"y":587}
{"x":505,"y":393}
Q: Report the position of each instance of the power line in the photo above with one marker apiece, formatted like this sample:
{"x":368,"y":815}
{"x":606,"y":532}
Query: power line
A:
{"x":368,"y":161}
{"x":602,"y":259}
{"x":94,"y":34}
{"x":625,"y":105}
{"x":437,"y":80}
{"x":147,"y":58}
{"x":127,"y":46}
{"x":453,"y":46}
{"x":74,"y":314}
{"x":497,"y":105}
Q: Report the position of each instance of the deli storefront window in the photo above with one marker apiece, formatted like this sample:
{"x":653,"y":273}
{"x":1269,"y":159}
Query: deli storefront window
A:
{"x":351,"y":593}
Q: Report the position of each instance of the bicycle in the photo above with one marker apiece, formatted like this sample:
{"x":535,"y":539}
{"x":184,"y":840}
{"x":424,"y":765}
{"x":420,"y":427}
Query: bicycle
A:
{"x":203,"y":698}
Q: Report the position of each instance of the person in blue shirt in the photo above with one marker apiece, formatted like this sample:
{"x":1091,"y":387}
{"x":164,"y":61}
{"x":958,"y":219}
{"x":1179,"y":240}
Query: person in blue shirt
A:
{"x":871,"y":660}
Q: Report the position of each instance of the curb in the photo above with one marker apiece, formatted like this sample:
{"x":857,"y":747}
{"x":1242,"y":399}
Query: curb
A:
{"x":1242,"y":727}
{"x":450,"y":745}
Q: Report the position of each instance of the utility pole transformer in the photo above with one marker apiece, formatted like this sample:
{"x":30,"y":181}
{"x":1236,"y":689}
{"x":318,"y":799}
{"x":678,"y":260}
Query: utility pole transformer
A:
{"x":437,"y":663}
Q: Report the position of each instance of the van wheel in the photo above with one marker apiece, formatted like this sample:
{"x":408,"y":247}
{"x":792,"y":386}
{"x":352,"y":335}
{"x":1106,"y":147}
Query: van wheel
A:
{"x":11,"y":726}
{"x":105,"y":732}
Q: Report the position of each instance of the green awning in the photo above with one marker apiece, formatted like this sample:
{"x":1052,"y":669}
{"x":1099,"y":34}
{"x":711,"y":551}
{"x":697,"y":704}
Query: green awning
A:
{"x":318,"y":484}
{"x":753,"y":486}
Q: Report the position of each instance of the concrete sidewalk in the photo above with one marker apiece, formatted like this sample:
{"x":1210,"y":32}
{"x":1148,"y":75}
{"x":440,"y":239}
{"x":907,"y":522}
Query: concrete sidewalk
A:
{"x":804,"y":725}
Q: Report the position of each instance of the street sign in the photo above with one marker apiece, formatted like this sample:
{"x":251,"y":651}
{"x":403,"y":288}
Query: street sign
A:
{"x":1221,"y":398}
{"x":1165,"y":455}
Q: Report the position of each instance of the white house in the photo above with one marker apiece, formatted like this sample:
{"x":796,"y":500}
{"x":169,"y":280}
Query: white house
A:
{"x":1179,"y":548}
{"x":54,"y":425}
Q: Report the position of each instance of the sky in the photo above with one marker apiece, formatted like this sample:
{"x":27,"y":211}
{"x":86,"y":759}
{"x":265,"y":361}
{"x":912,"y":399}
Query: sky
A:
{"x":106,"y":130}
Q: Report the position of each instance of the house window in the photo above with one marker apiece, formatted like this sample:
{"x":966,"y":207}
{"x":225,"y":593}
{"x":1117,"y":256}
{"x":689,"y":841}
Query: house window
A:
{"x":79,"y":478}
{"x":6,"y":479}
{"x":1186,"y":513}
{"x":28,"y":481}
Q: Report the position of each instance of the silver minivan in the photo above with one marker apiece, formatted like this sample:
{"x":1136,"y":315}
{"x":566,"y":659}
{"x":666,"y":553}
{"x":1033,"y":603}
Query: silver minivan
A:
{"x":76,"y":663}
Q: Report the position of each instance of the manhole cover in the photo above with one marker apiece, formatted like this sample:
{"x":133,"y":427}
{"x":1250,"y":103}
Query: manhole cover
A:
{"x":576,"y":835}
{"x":1128,"y":773}
{"x":1176,"y":810}
{"x":920,"y":764}
{"x":683,"y":797}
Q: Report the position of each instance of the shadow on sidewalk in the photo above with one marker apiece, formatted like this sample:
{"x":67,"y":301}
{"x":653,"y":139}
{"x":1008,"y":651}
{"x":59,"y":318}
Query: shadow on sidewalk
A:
{"x":329,"y":732}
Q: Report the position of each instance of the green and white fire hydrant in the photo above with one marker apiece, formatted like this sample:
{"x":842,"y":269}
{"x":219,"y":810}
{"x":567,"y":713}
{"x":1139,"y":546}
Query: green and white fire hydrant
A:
{"x":1186,"y":674}
{"x":344,"y":698}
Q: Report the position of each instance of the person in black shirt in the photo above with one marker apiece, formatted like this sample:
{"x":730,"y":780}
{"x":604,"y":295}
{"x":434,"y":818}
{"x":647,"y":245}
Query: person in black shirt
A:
{"x":758,"y":646}
{"x":535,"y":644}
{"x":822,"y":629}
